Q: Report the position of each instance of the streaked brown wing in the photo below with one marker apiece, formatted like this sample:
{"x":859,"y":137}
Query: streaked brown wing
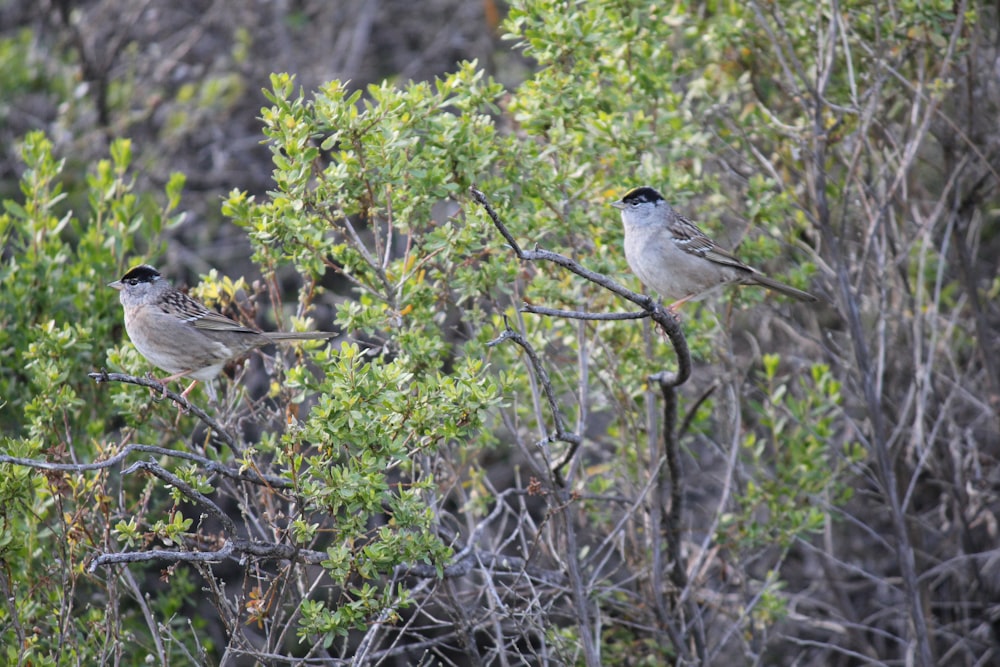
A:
{"x":213,"y":321}
{"x":183,"y":306}
{"x":696,"y":242}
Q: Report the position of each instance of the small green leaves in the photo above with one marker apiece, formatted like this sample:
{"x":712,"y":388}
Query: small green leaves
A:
{"x":802,"y":474}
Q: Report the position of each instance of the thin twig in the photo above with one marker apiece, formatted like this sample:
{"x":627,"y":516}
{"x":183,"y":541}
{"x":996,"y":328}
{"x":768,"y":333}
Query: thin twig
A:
{"x":494,"y":563}
{"x":562,"y":434}
{"x":581,"y":315}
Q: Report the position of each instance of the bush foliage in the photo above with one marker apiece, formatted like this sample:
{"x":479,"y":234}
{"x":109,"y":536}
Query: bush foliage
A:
{"x":462,"y":478}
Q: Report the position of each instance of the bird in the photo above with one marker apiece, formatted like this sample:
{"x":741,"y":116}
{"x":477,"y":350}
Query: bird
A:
{"x":668,"y":253}
{"x":180,"y":335}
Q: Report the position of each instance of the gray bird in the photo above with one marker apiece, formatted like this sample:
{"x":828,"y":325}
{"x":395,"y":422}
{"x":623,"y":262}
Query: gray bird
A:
{"x":178,"y":334}
{"x":671,"y":255}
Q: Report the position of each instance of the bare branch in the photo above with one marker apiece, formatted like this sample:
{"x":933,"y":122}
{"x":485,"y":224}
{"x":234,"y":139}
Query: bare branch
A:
{"x":494,"y":563}
{"x":561,"y":433}
{"x":581,"y":315}
{"x":181,"y":401}
{"x":214,"y":467}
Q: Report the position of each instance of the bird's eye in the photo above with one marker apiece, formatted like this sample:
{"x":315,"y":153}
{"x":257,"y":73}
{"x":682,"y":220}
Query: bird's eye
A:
{"x":133,"y":282}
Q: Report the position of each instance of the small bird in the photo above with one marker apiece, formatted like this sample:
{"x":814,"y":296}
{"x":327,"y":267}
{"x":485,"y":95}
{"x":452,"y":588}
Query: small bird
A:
{"x":671,"y":255}
{"x":178,"y":334}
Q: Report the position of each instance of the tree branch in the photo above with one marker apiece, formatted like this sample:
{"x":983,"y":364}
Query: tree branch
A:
{"x":187,"y":406}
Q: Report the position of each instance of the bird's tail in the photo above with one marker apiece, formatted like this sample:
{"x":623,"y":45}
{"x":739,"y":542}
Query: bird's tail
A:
{"x":787,"y":290}
{"x":288,"y":337}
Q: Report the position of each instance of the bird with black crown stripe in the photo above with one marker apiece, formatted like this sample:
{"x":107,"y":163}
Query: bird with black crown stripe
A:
{"x":180,"y":335}
{"x":680,"y":262}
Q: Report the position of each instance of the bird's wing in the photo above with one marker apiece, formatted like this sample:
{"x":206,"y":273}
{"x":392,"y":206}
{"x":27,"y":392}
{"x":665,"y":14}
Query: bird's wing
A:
{"x":696,"y":242}
{"x":213,"y":321}
{"x":186,"y":308}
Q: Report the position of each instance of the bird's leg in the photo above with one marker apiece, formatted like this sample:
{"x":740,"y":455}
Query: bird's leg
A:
{"x":162,"y":391}
{"x":212,"y":395}
{"x":170,"y":378}
{"x":674,"y":308}
{"x":175,"y":376}
{"x":180,"y":407}
{"x":189,"y":388}
{"x":184,"y":394}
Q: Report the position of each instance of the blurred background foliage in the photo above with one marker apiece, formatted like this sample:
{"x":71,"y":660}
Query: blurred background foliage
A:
{"x":839,"y":487}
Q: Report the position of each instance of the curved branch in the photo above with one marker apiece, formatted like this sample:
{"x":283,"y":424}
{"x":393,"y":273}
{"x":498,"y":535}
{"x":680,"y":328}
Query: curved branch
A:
{"x":561,"y":433}
{"x":228,"y":438}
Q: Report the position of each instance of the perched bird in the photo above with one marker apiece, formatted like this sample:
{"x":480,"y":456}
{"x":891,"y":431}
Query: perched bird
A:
{"x":671,"y":255}
{"x":178,"y":334}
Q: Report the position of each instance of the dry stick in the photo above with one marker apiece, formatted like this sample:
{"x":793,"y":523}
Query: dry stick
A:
{"x":147,"y":614}
{"x":668,"y":383}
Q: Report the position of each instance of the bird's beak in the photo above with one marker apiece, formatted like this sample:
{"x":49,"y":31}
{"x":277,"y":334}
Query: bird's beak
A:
{"x":618,"y":204}
{"x":116,"y":284}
